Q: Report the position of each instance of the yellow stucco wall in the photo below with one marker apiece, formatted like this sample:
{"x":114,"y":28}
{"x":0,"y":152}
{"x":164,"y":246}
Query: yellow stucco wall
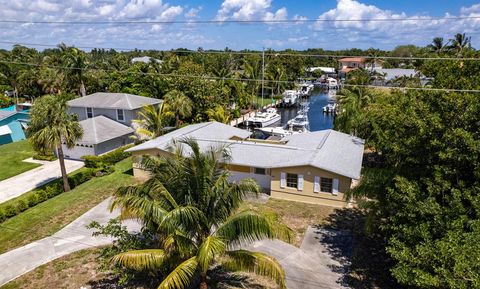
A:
{"x":307,"y":195}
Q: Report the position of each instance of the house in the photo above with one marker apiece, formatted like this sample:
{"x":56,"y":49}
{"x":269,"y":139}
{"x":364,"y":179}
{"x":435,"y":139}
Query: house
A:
{"x":351,"y":63}
{"x":316,"y":167}
{"x":121,"y":107}
{"x":146,"y":59}
{"x":328,"y":71}
{"x":100,"y":135}
{"x":106,"y":119}
{"x":12,"y":126}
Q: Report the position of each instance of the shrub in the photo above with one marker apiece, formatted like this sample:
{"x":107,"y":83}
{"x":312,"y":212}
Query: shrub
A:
{"x":51,"y":191}
{"x":41,"y":196}
{"x":44,"y":157}
{"x":107,"y":159}
{"x":10,"y":211}
{"x":32,"y":200}
{"x":2,"y":216}
{"x":21,"y":206}
{"x":80,"y":178}
{"x":92,"y":161}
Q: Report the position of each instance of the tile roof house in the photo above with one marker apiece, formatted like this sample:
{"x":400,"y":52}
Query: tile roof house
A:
{"x":315,"y":167}
{"x":106,"y":119}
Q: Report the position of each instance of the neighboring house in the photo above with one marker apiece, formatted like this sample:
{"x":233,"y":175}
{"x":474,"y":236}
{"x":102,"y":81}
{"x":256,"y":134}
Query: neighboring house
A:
{"x":146,"y":59}
{"x":328,"y":71}
{"x":12,"y":126}
{"x":106,"y":119}
{"x":351,"y":63}
{"x":100,"y":135}
{"x":121,"y":107}
{"x":316,"y":167}
{"x":390,"y":74}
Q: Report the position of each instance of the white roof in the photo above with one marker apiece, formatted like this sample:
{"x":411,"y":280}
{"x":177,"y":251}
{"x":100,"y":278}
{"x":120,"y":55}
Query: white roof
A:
{"x":100,"y":129}
{"x":391,"y":73}
{"x":145,"y":59}
{"x":328,"y":149}
{"x":4,"y":130}
{"x":113,"y":101}
{"x":324,"y":69}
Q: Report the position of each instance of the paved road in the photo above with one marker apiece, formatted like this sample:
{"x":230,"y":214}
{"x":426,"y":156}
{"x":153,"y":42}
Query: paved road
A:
{"x":34,"y":178}
{"x":315,"y":265}
{"x":72,"y":238}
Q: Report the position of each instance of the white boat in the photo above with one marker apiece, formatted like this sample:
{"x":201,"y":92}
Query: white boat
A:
{"x":263,"y":119}
{"x":306,"y":89}
{"x":280,"y":131}
{"x":332,"y":83}
{"x":290,"y":97}
{"x":300,"y":123}
{"x":330,"y":107}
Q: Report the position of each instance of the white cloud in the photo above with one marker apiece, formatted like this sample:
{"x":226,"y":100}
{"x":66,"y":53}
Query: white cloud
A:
{"x":245,"y":10}
{"x":193,"y":12}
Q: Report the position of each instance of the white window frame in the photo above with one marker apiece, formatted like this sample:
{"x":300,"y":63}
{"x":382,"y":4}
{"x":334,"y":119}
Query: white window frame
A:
{"x":86,"y":112}
{"x":123,"y":115}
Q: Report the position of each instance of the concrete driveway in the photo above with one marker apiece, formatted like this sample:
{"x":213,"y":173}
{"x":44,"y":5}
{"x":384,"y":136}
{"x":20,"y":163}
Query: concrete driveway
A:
{"x":34,"y":178}
{"x":72,"y":238}
{"x":312,"y":266}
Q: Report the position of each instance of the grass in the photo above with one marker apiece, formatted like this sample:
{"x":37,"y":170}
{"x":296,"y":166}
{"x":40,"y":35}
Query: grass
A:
{"x":12,"y":156}
{"x":298,"y":216}
{"x":50,"y":216}
{"x":267,"y":99}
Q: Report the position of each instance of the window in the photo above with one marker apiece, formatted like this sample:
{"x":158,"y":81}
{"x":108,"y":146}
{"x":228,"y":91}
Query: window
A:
{"x":89,"y":112}
{"x":259,"y":171}
{"x":120,"y":116}
{"x":326,"y":185}
{"x":292,"y":180}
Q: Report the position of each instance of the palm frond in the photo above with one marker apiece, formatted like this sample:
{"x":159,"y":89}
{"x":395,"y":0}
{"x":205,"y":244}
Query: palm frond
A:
{"x":212,"y":246}
{"x":151,"y":259}
{"x":181,"y":276}
{"x":258,"y":263}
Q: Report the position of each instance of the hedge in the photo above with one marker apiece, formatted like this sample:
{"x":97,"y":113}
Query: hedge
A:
{"x":108,"y":159}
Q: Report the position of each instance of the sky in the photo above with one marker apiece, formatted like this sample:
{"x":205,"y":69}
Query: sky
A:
{"x":332,"y":35}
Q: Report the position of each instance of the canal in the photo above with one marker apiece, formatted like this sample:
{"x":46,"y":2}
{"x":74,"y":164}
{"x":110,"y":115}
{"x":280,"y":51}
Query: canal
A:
{"x":318,"y":120}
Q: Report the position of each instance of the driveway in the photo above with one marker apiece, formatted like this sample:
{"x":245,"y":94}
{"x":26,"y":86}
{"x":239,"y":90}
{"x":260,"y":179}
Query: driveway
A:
{"x":315,"y":265}
{"x":72,"y":238}
{"x":34,"y":178}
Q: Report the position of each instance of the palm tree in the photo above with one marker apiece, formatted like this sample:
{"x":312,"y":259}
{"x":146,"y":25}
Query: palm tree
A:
{"x":152,"y":121}
{"x":179,"y":104}
{"x":438,"y":45}
{"x":51,"y":126}
{"x":75,"y":64}
{"x":193,"y":210}
{"x":352,"y":103}
{"x":460,"y":42}
{"x":218,"y":113}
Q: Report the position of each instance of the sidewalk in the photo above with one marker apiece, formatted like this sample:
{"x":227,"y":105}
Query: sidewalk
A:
{"x":72,"y":238}
{"x":34,"y":178}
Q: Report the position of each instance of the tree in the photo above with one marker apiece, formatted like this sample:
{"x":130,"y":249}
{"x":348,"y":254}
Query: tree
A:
{"x":75,"y":64}
{"x":179,"y":104}
{"x":353,"y":103}
{"x":218,"y":113}
{"x":438,"y":45}
{"x":152,"y":121}
{"x":51,"y":126}
{"x":460,"y":42}
{"x":192,"y":210}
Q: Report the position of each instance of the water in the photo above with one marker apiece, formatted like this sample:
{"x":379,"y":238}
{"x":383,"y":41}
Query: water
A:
{"x":318,"y":120}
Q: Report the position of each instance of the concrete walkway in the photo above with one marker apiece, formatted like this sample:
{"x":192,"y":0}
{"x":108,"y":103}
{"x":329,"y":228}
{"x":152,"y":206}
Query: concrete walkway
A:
{"x":312,"y":266}
{"x":34,"y":178}
{"x":72,"y":238}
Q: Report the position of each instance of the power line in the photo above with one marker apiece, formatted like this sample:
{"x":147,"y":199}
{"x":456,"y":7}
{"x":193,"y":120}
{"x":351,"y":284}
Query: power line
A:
{"x":207,"y":77}
{"x":216,"y":21}
{"x":279,"y":54}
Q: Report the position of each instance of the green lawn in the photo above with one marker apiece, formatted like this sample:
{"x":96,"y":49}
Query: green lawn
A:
{"x":52,"y":215}
{"x":266,"y":100}
{"x":11,"y":157}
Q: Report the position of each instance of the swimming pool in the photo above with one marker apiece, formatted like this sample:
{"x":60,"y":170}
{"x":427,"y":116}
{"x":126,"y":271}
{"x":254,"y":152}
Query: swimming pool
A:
{"x":10,"y":108}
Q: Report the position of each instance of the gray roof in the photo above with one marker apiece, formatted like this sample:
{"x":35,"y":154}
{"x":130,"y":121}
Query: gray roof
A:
{"x":6,"y":113}
{"x":100,"y":129}
{"x":113,"y":101}
{"x":391,"y":73}
{"x":328,"y":149}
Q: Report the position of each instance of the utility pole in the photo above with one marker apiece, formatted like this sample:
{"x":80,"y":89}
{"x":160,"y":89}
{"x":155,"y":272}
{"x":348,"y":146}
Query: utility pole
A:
{"x":263,"y":71}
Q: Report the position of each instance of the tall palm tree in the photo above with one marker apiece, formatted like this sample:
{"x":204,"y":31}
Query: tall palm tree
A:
{"x":460,"y":42}
{"x":218,"y":113}
{"x":75,"y":63}
{"x":179,"y":104}
{"x":51,"y":126}
{"x":192,"y":208}
{"x":438,"y":45}
{"x":152,"y":121}
{"x":352,"y":104}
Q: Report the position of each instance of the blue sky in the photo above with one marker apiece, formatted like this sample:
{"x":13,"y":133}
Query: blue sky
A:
{"x":329,"y":35}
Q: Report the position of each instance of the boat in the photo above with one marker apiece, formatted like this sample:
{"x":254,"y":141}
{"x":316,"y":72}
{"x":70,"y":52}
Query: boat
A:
{"x":306,"y":89}
{"x":330,"y":107}
{"x":290,"y":98}
{"x":279,"y":131}
{"x":300,"y":123}
{"x":332,"y":83}
{"x":263,"y":119}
